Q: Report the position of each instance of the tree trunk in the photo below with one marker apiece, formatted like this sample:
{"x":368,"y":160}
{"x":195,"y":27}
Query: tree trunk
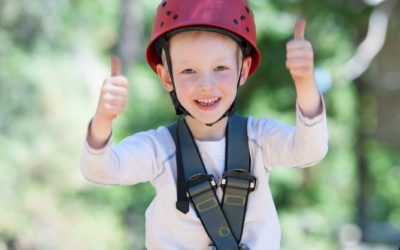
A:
{"x":131,"y":33}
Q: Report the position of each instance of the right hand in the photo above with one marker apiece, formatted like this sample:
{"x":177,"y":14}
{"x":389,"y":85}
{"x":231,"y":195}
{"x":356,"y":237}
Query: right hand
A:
{"x":112,"y":102}
{"x":113,"y":94}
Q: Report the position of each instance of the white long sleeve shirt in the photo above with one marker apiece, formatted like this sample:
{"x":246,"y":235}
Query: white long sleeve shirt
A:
{"x":150,"y":156}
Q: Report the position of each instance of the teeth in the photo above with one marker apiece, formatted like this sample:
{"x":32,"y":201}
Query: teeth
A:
{"x":208,"y":101}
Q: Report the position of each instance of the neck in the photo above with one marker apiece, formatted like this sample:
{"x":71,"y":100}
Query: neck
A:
{"x":202,"y":132}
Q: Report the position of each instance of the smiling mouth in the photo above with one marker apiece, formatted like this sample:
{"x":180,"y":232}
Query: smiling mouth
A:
{"x":209,"y":102}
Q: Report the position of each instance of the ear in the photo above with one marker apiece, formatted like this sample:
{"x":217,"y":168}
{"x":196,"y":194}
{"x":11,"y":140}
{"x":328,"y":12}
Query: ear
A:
{"x":165,"y":80}
{"x":245,"y":70}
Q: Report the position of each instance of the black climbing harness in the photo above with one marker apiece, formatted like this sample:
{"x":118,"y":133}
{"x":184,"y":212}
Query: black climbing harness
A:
{"x":223,"y":221}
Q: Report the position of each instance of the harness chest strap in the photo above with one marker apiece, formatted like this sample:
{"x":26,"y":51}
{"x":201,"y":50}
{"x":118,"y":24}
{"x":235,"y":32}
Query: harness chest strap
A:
{"x":222,"y":222}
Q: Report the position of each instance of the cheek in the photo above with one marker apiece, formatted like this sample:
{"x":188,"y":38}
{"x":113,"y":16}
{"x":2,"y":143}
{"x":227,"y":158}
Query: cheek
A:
{"x":187,"y":84}
{"x":228,"y":81}
{"x":229,"y":76}
{"x":184,"y":89}
{"x":230,"y":87}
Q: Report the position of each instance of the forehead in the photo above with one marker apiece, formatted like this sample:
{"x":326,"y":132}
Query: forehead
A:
{"x":212,"y":42}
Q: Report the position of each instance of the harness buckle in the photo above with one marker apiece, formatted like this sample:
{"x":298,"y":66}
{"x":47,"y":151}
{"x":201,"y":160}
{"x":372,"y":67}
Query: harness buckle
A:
{"x":239,"y":174}
{"x":193,"y":184}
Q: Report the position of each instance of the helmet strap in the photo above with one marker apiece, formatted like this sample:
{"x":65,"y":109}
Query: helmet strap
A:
{"x":179,"y":109}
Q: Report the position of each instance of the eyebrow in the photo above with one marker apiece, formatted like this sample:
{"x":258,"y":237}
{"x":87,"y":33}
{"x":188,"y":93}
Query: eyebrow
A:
{"x":221,"y":59}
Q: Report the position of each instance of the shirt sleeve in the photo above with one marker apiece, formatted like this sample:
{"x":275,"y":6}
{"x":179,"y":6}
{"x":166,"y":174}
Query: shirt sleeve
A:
{"x":302,"y":145}
{"x":131,"y":161}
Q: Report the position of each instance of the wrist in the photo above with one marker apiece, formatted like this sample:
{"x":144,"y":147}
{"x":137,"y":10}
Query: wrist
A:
{"x":101,"y":121}
{"x":99,"y":132}
{"x":308,"y":97}
{"x":305,"y":82}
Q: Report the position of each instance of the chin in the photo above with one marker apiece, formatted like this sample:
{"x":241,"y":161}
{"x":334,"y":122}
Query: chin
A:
{"x":206,"y":119}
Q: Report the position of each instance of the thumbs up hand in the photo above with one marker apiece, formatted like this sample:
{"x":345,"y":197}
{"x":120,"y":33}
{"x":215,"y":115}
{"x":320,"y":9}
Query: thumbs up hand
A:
{"x":300,"y":63}
{"x":112,"y":102}
{"x":300,"y":56}
{"x":113,"y":94}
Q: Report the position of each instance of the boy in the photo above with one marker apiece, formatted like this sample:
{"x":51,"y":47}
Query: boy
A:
{"x":203,"y":51}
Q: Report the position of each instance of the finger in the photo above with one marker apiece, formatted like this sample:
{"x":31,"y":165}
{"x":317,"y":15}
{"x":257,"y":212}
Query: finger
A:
{"x":292,"y":64}
{"x":299,"y":29}
{"x":113,"y":90}
{"x":115,"y":66}
{"x":299,"y":53}
{"x":298,"y":44}
{"x":116,"y":89}
{"x":117,"y":103}
{"x":300,"y":72}
{"x":116,"y":81}
{"x":295,"y":62}
{"x":110,"y":96}
{"x":115,"y":110}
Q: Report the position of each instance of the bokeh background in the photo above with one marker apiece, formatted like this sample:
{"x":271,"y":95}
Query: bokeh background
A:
{"x":54,"y":55}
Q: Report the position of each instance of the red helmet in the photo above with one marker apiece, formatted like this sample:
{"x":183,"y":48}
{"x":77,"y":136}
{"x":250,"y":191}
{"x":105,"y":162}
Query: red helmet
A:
{"x":229,"y":16}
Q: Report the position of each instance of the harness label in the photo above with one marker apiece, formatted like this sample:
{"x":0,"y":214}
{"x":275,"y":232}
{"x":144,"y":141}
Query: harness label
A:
{"x":234,"y":200}
{"x":206,"y":204}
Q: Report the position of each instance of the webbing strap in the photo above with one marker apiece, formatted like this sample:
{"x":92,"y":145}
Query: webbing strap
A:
{"x":237,"y":143}
{"x":200,"y":187}
{"x":237,"y":180}
{"x":224,"y":225}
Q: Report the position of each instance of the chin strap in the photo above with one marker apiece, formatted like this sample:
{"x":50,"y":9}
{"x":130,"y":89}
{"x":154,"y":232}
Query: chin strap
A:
{"x":179,"y":109}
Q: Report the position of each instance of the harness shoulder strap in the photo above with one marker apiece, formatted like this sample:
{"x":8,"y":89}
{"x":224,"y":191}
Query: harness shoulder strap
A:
{"x":237,"y":182}
{"x":237,"y":143}
{"x":201,"y":189}
{"x":182,"y":203}
{"x":223,"y":225}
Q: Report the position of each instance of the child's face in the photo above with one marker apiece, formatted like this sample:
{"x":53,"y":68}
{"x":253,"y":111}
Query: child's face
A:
{"x":206,"y":69}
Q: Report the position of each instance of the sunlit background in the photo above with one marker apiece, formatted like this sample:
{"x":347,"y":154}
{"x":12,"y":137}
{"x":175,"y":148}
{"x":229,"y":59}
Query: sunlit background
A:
{"x":54,"y":56}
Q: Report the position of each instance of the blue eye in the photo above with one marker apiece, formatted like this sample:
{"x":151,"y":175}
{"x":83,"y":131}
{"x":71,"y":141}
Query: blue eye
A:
{"x":221,"y":68}
{"x":188,"y":71}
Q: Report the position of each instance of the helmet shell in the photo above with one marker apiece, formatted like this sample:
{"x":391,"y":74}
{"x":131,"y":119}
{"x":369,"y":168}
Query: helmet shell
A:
{"x":230,"y":15}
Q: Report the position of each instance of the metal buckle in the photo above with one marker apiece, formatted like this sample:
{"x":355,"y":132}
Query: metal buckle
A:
{"x":239,"y":173}
{"x":194,"y":179}
{"x":200,"y":178}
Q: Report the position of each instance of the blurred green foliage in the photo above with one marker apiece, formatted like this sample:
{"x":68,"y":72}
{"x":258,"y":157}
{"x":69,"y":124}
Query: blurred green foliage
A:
{"x":54,"y":56}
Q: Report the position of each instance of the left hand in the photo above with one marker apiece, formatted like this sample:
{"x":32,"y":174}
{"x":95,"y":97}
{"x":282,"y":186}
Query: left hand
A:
{"x":300,"y":56}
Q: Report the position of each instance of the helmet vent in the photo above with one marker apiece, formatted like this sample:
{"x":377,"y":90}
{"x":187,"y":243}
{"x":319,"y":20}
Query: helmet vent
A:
{"x":163,"y":4}
{"x":235,"y":21}
{"x":247,"y":29}
{"x":175,"y":17}
{"x":162,"y":24}
{"x":248,"y":10}
{"x":168,"y":12}
{"x":242,"y":17}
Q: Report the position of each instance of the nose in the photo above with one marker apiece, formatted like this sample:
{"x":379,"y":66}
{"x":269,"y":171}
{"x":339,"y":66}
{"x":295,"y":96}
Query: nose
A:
{"x":207,"y":82}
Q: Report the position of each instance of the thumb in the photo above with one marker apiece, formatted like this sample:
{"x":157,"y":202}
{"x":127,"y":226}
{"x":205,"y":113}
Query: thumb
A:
{"x":115,"y":66}
{"x":299,"y":29}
